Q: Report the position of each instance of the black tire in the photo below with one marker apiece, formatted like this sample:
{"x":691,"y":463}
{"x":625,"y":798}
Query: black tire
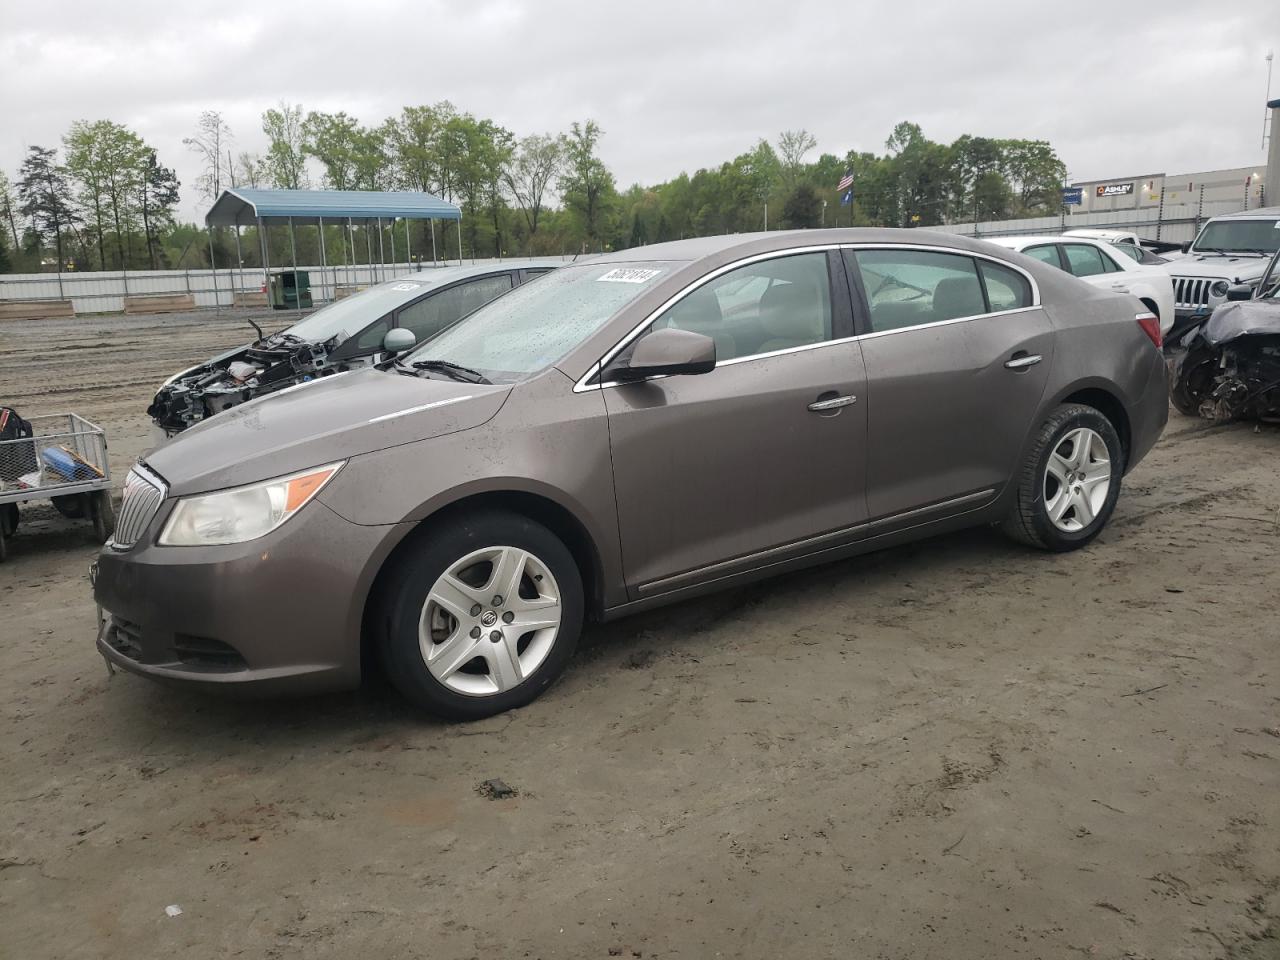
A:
{"x":1028,"y":519}
{"x":1191,"y":380}
{"x":103,"y":515}
{"x":71,"y":505}
{"x":420,"y":564}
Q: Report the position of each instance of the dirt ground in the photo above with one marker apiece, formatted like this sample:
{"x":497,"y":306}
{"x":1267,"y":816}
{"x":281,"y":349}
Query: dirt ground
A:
{"x":958,"y":749}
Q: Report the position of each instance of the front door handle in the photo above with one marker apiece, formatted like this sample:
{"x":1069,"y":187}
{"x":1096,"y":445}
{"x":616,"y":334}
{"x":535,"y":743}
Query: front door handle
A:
{"x":834,"y":403}
{"x":1020,"y":361}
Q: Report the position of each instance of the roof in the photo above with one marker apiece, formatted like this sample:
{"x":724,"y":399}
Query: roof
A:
{"x":241,"y":206}
{"x":699,"y":247}
{"x":1261,"y":213}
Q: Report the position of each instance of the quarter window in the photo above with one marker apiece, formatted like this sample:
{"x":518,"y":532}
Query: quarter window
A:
{"x":428,"y":317}
{"x":1084,"y":261}
{"x":759,"y":308}
{"x":1007,"y":289}
{"x":906,"y":288}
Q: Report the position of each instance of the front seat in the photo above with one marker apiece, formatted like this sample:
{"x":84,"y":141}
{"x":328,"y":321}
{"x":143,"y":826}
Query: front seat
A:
{"x":790,"y":317}
{"x":957,"y":297}
{"x":700,"y":312}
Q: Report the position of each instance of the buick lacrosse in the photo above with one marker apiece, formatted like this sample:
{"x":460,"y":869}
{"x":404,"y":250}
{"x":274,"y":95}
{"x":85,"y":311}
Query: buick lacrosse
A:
{"x":628,"y":431}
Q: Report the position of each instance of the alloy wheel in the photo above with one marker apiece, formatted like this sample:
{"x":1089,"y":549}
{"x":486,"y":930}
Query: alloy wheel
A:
{"x":1077,"y":479}
{"x":489,"y":621}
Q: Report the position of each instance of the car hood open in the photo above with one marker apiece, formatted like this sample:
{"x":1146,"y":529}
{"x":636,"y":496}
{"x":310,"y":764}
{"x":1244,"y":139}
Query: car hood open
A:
{"x":328,"y":419}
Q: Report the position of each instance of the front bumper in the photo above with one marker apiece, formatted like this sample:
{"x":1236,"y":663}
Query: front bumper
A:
{"x":278,"y":614}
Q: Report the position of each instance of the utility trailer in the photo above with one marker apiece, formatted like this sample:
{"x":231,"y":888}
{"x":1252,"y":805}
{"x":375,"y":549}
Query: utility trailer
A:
{"x":64,"y":459}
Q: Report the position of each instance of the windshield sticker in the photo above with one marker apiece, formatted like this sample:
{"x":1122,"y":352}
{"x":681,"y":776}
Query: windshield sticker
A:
{"x":628,"y":275}
{"x":406,"y":286}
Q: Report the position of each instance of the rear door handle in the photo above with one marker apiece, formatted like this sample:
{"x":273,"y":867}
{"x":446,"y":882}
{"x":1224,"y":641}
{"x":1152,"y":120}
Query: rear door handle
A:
{"x":834,"y":403}
{"x":1022,"y":362}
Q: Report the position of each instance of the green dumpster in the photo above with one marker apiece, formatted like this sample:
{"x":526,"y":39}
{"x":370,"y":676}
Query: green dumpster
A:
{"x":290,"y":289}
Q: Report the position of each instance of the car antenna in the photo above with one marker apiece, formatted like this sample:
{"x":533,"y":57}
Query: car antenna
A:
{"x":255,"y":327}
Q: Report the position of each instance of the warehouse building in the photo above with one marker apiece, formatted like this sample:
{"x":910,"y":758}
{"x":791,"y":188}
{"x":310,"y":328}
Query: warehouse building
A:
{"x":1245,"y":186}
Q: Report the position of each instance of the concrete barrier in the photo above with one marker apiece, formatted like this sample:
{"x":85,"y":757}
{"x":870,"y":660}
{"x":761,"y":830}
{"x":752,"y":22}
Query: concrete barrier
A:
{"x":35,"y":309}
{"x":252,"y":298}
{"x":166,"y":303}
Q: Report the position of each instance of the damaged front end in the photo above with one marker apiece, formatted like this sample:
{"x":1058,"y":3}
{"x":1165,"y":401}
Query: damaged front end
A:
{"x":273,"y":363}
{"x":1231,"y":368}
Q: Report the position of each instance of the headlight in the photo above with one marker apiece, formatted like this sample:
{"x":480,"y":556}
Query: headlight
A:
{"x":1219,"y":288}
{"x":243,"y":513}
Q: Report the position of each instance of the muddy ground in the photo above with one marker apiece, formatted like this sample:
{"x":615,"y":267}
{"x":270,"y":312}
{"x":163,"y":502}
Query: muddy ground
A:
{"x":958,"y":749}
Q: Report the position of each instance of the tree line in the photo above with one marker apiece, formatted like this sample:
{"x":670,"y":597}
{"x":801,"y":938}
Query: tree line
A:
{"x":105,"y":201}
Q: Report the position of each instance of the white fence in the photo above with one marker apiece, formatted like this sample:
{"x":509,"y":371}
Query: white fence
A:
{"x":104,"y":291}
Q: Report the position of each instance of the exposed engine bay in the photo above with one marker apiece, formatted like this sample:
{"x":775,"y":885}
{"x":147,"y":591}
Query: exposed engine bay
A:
{"x":270,"y":364}
{"x":1231,"y":367}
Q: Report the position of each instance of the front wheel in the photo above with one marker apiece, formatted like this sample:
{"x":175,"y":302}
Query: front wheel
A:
{"x":1191,"y":381}
{"x":1068,"y":485}
{"x":480,"y":615}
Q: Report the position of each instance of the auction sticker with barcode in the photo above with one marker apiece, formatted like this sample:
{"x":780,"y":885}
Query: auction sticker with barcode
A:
{"x":628,"y":275}
{"x":406,"y":286}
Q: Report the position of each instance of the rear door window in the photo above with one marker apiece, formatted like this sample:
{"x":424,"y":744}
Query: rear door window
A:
{"x":907,"y":288}
{"x":1084,"y":260}
{"x":1046,"y":253}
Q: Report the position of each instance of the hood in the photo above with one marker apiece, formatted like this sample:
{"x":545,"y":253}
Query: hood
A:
{"x":328,"y":419}
{"x":1242,"y":318}
{"x":1237,"y":269}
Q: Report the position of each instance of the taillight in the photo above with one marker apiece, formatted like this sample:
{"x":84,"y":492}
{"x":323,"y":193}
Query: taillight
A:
{"x":1150,"y":325}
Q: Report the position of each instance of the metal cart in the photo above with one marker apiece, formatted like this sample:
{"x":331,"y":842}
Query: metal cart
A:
{"x":65,"y":460}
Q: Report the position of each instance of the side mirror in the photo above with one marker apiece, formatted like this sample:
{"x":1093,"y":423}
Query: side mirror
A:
{"x":398,"y":340}
{"x":1239,"y":291}
{"x":667,"y":352}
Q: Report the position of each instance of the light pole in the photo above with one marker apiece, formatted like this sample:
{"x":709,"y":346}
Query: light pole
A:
{"x":823,"y":222}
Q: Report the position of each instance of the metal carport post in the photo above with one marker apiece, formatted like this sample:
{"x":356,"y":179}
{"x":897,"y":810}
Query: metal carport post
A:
{"x":323,"y":261}
{"x":266,"y":260}
{"x":293,"y":246}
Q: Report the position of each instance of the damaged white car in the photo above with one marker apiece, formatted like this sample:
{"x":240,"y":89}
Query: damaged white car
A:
{"x":354,"y":332}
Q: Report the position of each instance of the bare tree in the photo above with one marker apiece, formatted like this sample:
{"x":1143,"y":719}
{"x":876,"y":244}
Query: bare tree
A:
{"x":250,"y":170}
{"x":210,"y":143}
{"x":792,"y":146}
{"x":537,"y":160}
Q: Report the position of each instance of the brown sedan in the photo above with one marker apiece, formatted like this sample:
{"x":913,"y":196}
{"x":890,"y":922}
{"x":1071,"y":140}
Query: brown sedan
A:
{"x":625,"y":432}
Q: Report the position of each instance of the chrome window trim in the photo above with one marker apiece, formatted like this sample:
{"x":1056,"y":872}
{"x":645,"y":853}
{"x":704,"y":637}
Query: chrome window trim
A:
{"x":582,"y":386}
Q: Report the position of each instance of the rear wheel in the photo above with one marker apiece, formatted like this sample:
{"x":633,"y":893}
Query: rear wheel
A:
{"x":1070,"y":481}
{"x":481,"y":615}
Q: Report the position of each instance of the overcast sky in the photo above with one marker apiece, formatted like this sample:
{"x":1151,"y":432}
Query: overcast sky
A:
{"x":1119,"y":89}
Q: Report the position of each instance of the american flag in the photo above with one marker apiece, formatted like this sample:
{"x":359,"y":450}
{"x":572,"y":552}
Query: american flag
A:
{"x":846,"y":181}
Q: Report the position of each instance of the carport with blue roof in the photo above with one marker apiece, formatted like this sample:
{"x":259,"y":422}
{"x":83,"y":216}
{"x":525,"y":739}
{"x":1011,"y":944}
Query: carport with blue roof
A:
{"x":242,"y":207}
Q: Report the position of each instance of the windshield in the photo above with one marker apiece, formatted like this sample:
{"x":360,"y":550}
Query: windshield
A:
{"x":352,"y":314}
{"x":533,"y":326}
{"x":1239,"y":236}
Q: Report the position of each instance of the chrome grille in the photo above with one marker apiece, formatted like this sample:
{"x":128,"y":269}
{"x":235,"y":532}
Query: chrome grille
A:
{"x":1192,"y":293}
{"x":143,"y":494}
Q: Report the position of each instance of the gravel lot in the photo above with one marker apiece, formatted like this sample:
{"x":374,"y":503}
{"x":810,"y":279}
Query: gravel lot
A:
{"x":957,"y":749}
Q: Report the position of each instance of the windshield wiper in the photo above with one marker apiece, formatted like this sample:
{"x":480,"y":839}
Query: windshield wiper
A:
{"x":454,"y":370}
